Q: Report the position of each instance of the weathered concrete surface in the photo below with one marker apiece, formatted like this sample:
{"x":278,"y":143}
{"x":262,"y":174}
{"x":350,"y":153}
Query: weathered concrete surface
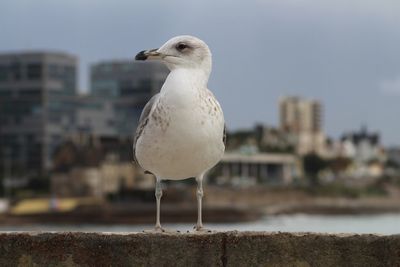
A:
{"x":215,"y":249}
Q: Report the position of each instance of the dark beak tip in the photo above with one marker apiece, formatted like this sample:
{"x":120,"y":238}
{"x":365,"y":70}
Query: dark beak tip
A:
{"x":141,"y":55}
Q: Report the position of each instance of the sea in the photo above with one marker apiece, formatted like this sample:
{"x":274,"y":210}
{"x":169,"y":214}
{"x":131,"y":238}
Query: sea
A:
{"x":383,"y":224}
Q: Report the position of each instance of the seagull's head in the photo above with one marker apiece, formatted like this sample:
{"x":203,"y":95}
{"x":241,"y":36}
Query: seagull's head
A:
{"x":181,"y":52}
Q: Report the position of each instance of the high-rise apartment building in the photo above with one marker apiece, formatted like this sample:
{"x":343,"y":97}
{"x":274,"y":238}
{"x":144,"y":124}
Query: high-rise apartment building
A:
{"x":302,"y":119}
{"x":128,"y":85}
{"x":40,"y":107}
{"x":37,"y":91}
{"x":300,"y":115}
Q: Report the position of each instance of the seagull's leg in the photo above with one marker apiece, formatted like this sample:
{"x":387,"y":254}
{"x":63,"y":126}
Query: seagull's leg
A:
{"x":200,"y":193}
{"x":158,"y":194}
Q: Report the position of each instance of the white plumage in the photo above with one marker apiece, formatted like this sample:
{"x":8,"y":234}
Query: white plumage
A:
{"x":181,"y":130}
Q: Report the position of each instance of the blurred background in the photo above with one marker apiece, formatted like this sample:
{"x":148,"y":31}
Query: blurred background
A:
{"x":310,"y":92}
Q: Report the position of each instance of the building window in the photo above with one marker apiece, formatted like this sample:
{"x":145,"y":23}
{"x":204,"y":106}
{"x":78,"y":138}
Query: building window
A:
{"x":36,"y":109}
{"x":5,"y":93}
{"x":34,"y":92}
{"x":53,"y":71}
{"x":17,"y":120}
{"x":3,"y":73}
{"x":16,"y":71}
{"x":110,"y":123}
{"x":3,"y":121}
{"x":34,"y":71}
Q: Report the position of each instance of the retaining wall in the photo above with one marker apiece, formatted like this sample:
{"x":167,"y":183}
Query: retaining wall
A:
{"x":210,"y":249}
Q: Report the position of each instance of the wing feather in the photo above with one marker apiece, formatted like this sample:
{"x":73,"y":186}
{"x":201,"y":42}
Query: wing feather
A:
{"x":143,"y":120}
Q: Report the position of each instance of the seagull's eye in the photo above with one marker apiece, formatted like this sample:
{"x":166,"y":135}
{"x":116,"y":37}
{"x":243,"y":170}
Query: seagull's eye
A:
{"x":181,"y":46}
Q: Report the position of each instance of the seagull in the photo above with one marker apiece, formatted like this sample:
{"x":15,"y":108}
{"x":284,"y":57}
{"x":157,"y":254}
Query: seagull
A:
{"x":181,"y":132}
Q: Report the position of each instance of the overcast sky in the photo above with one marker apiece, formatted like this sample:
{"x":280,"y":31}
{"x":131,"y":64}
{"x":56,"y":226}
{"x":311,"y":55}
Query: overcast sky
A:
{"x":342,"y":52}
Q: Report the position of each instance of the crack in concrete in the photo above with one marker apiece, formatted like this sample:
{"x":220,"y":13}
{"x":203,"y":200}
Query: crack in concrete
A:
{"x":224,"y":257}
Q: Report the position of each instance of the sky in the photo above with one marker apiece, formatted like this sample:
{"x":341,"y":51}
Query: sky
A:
{"x":345,"y":53}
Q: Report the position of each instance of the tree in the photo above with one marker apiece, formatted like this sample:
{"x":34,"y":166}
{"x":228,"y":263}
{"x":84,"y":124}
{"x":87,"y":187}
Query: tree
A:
{"x":65,"y":157}
{"x":339,"y":164}
{"x":312,"y":165}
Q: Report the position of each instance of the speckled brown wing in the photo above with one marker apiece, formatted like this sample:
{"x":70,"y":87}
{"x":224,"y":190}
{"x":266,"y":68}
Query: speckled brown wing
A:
{"x":143,"y":120}
{"x":224,"y":136}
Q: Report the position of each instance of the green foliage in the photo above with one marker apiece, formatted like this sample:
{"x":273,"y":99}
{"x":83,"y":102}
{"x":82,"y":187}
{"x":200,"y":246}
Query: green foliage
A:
{"x":392,"y":164}
{"x":39,"y":184}
{"x":277,"y":149}
{"x":374,"y":191}
{"x":339,"y":164}
{"x":238,"y":138}
{"x":334,"y":190}
{"x":312,"y":165}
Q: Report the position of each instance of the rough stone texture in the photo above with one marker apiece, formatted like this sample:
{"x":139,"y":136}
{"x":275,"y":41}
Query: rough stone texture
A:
{"x":215,"y":249}
{"x":307,"y":249}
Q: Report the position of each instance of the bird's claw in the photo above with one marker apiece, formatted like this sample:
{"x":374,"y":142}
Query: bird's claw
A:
{"x":156,"y":230}
{"x":160,"y":230}
{"x":201,"y":229}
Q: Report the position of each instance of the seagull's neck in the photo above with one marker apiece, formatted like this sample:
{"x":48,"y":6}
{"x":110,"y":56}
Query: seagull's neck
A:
{"x":182,"y":87}
{"x":184,"y":79}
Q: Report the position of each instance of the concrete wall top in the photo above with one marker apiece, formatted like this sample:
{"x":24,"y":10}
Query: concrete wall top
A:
{"x":209,"y":249}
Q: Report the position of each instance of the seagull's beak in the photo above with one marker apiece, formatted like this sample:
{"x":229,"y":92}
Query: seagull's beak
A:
{"x":148,"y":54}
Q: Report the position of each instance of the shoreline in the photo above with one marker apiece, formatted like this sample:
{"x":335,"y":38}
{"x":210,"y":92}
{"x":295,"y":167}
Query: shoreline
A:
{"x":341,"y":208}
{"x":221,"y":205}
{"x":135,"y":214}
{"x":187,"y":214}
{"x":292,"y":201}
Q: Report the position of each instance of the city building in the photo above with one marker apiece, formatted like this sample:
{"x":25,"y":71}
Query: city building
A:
{"x":365,"y":153}
{"x":37,"y":103}
{"x":362,"y":146}
{"x":109,"y":177}
{"x":302,"y":119}
{"x":241,"y":169}
{"x":40,"y":107}
{"x":129,"y":85}
{"x":272,"y":139}
{"x":95,"y":117}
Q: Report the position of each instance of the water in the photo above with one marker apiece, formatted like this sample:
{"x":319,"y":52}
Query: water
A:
{"x":385,"y":224}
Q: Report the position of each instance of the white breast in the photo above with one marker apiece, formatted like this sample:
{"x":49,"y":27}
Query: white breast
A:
{"x":184,"y":134}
